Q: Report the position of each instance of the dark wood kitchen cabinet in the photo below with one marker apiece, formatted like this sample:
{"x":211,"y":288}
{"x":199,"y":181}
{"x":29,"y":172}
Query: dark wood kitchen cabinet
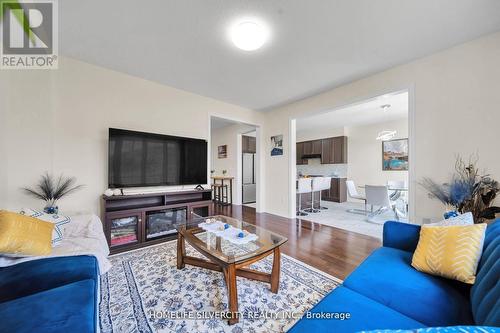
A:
{"x":340,"y":150}
{"x":334,"y":150}
{"x":327,"y":151}
{"x":331,"y":150}
{"x":300,"y":152}
{"x":312,"y":147}
{"x":249,"y":144}
{"x":337,"y":191}
{"x":306,"y":147}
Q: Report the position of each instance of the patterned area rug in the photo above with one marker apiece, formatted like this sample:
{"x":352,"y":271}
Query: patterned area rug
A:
{"x":144,"y":289}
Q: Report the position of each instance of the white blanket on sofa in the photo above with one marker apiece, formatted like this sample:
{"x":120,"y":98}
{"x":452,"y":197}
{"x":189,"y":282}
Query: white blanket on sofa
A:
{"x":83,"y":236}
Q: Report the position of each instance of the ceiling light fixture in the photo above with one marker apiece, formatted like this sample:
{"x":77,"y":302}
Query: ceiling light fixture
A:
{"x":385,"y":135}
{"x":385,"y":107}
{"x":248,"y":35}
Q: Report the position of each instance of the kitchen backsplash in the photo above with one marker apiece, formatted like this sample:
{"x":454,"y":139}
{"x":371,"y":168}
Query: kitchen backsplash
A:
{"x":316,"y":168}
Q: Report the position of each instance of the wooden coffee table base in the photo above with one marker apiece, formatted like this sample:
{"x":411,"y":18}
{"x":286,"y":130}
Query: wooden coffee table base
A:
{"x":231,"y":271}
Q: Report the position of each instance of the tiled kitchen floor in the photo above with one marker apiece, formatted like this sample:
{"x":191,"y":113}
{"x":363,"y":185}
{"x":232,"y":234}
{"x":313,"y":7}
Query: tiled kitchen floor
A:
{"x":337,"y":216}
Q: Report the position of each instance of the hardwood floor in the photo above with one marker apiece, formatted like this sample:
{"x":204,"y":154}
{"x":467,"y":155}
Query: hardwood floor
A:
{"x":335,"y":251}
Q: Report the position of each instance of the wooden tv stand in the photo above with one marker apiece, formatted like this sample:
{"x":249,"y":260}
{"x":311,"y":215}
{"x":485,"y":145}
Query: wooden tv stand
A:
{"x":134,"y":221}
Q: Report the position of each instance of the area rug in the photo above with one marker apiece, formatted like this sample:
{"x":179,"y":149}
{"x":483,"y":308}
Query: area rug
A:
{"x":145,"y":292}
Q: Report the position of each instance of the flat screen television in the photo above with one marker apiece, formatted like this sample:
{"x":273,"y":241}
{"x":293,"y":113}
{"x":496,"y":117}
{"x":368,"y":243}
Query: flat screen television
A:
{"x":146,"y":159}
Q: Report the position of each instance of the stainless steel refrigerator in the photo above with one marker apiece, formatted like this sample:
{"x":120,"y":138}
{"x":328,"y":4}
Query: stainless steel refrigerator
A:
{"x":249,"y":186}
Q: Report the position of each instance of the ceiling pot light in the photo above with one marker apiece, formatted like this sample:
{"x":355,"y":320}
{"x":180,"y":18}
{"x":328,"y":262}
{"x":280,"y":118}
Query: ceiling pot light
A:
{"x":385,"y":107}
{"x":249,"y":35}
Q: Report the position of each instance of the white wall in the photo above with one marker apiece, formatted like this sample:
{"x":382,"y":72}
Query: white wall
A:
{"x":456,"y":103}
{"x":313,"y":134}
{"x":57,"y":121}
{"x":226,"y":136}
{"x":364,"y":155}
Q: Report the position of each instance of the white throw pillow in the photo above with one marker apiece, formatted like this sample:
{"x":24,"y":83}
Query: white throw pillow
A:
{"x":60,"y":222}
{"x":462,"y":219}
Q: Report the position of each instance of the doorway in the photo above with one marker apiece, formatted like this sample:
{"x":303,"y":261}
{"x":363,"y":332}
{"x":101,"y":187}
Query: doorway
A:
{"x":234,"y":154}
{"x":357,"y":147}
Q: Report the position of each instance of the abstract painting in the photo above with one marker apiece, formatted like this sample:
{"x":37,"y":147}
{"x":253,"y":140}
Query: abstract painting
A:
{"x":395,"y":155}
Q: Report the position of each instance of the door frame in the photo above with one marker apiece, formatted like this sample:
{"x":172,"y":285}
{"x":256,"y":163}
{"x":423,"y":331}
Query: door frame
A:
{"x":259,"y":160}
{"x":412,"y":183}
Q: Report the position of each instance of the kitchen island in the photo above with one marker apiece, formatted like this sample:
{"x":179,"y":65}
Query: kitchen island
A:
{"x":336,"y":193}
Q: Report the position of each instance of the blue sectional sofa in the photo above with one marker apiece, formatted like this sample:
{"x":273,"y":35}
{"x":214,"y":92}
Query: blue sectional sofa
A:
{"x":50,"y":295}
{"x":386,"y":292}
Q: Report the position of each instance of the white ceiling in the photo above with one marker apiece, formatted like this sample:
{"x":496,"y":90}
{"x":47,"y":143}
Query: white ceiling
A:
{"x":368,"y":112}
{"x":218,"y":123}
{"x":315,"y":45}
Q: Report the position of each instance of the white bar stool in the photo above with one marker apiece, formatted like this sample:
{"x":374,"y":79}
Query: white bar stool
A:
{"x":316,"y":187}
{"x":326,"y":184}
{"x":304,"y":186}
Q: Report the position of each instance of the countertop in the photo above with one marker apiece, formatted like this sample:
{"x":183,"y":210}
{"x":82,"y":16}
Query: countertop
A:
{"x":313,"y":176}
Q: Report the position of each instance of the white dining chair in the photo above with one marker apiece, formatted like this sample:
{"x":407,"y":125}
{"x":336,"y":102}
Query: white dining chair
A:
{"x":379,"y":196}
{"x":317,"y":183}
{"x":353,"y":193}
{"x":304,"y":186}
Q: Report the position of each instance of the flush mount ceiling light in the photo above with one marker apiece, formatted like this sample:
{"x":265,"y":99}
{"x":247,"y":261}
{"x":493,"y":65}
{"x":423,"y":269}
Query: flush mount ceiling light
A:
{"x":385,"y":135}
{"x":385,"y":107}
{"x":249,"y":35}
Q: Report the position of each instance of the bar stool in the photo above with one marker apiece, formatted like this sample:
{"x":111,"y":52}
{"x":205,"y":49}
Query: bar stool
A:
{"x":326,"y":184}
{"x":316,"y":187}
{"x":219,"y":197}
{"x":304,"y":186}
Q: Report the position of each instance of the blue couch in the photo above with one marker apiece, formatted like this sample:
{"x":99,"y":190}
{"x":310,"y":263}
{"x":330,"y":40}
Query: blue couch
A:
{"x":50,"y":295}
{"x":386,"y":292}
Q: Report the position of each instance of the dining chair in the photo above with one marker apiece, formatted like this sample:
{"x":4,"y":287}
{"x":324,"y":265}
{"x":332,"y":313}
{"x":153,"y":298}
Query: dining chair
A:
{"x":379,"y":196}
{"x":353,"y":193}
{"x":304,"y":186}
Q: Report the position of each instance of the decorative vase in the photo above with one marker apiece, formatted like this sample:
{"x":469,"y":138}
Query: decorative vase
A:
{"x":449,"y":214}
{"x":51,"y":209}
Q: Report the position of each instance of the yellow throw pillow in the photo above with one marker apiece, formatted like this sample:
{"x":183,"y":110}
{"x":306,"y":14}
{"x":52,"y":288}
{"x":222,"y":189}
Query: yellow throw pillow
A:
{"x":450,"y":251}
{"x":24,"y":235}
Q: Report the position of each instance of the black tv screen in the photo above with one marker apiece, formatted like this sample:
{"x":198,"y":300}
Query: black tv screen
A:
{"x":146,"y":159}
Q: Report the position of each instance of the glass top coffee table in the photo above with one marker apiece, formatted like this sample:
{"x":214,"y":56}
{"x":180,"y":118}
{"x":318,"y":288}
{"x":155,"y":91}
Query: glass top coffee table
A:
{"x":230,"y":258}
